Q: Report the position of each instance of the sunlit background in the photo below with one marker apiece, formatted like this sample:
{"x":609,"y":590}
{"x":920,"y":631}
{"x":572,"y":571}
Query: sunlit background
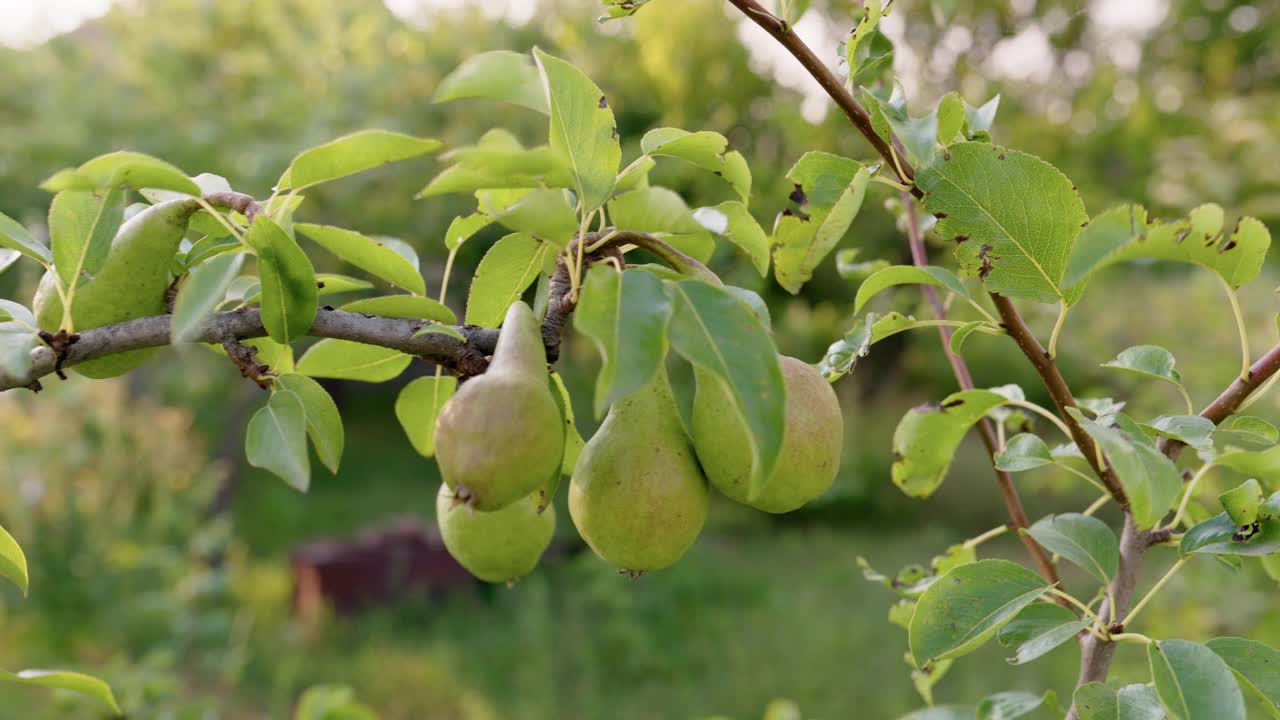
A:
{"x":163,"y":563}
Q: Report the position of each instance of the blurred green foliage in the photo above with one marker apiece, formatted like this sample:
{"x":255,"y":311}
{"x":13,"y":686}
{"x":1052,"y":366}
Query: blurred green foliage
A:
{"x":188,"y":618}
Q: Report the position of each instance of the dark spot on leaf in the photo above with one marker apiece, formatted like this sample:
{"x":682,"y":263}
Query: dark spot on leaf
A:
{"x":327,"y":307}
{"x":897,"y":457}
{"x":614,"y":133}
{"x":946,"y":155}
{"x":985,"y":257}
{"x":718,"y":173}
{"x":941,"y":215}
{"x":798,"y":196}
{"x":1084,"y":224}
{"x":1227,"y":246}
{"x":320,"y":284}
{"x":952,"y":404}
{"x":603,"y":103}
{"x":796,"y":213}
{"x":1177,"y":239}
{"x":960,"y":238}
{"x":1000,"y":156}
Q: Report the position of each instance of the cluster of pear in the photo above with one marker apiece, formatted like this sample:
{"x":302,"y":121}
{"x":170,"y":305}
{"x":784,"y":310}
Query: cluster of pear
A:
{"x":639,"y":493}
{"x":131,"y":283}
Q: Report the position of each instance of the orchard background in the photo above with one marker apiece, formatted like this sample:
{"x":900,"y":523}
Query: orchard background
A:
{"x":121,"y":490}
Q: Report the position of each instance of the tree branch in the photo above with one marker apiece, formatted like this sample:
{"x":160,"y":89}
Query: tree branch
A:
{"x":1012,"y":501}
{"x":1233,"y":397}
{"x":833,"y":86}
{"x":465,"y":358}
{"x":1017,"y":328}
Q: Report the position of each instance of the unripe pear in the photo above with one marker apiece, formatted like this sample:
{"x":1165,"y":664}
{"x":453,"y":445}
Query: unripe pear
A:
{"x":131,"y":284}
{"x":499,"y":546}
{"x":501,"y":436}
{"x":637,"y":495}
{"x":811,"y":440}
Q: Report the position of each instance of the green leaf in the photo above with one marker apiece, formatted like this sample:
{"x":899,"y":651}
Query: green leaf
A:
{"x":1096,"y":701}
{"x":980,"y":119}
{"x":499,"y":160}
{"x":954,"y":557}
{"x":1253,"y":428}
{"x":1150,"y":480}
{"x":324,"y":422}
{"x":830,"y":190}
{"x":331,"y":702}
{"x":732,"y":220}
{"x":1012,"y":704}
{"x":351,"y":154}
{"x":13,"y":562}
{"x":583,"y":130}
{"x":8,"y":258}
{"x":123,"y":169}
{"x":1193,"y":430}
{"x":1151,"y":361}
{"x":414,"y":307}
{"x":418,"y":406}
{"x":14,"y":236}
{"x":1016,"y":240}
{"x":504,"y":273}
{"x":441,"y":330}
{"x":82,"y":225}
{"x":1125,"y":233}
{"x":347,"y":360}
{"x":209,"y":247}
{"x":927,"y":438}
{"x":626,"y":315}
{"x":1256,"y":665}
{"x":1193,"y":682}
{"x":942,"y":712}
{"x":1082,"y":539}
{"x":1221,"y":536}
{"x":543,"y":213}
{"x":202,"y":293}
{"x":63,"y":680}
{"x":1023,"y":452}
{"x":907,"y":275}
{"x":463,"y":227}
{"x":843,"y":354}
{"x":368,"y":255}
{"x":1038,"y":629}
{"x":1243,"y":502}
{"x":289,"y":297}
{"x":965,"y":607}
{"x":1262,"y":463}
{"x":573,"y":442}
{"x":962,"y":333}
{"x":498,"y":75}
{"x":716,"y":331}
{"x":276,"y":440}
{"x":17,"y":338}
{"x":854,"y":55}
{"x":950,"y":114}
{"x":704,"y":149}
{"x":872,"y":59}
{"x":919,"y":135}
{"x":661,"y":212}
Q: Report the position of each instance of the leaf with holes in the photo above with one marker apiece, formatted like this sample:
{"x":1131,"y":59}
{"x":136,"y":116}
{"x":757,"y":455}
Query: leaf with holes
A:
{"x":626,"y":315}
{"x":351,"y":154}
{"x":829,"y":190}
{"x":1243,"y":502}
{"x":1082,"y":539}
{"x":1220,"y":535}
{"x":376,"y":258}
{"x":1038,"y":629}
{"x":414,"y":307}
{"x":1125,"y":233}
{"x":289,"y":297}
{"x":1014,"y":215}
{"x":418,"y":407}
{"x":324,"y":422}
{"x":347,"y":360}
{"x":927,"y":437}
{"x":504,"y":273}
{"x":1193,"y":682}
{"x":498,"y":75}
{"x":968,"y":605}
{"x":583,"y":130}
{"x":276,"y":440}
{"x":717,"y":332}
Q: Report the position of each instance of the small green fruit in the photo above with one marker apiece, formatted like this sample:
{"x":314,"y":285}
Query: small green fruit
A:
{"x":501,"y":436}
{"x":811,"y":442}
{"x":500,"y":546}
{"x":131,"y":284}
{"x":637,"y":495}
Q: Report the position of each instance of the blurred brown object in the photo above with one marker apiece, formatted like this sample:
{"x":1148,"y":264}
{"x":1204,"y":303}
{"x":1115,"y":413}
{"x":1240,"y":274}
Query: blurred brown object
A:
{"x":395,"y":560}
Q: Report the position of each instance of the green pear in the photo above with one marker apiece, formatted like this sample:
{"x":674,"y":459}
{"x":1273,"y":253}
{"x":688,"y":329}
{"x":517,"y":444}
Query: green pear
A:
{"x":637,"y":495}
{"x":131,"y":284}
{"x":499,"y":546}
{"x":501,"y":436}
{"x":811,"y":441}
